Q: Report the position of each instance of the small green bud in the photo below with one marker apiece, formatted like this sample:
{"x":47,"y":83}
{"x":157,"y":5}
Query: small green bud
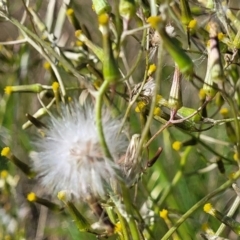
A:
{"x":127,"y":9}
{"x":110,"y":66}
{"x":186,"y":15}
{"x":101,"y":6}
{"x":32,"y":88}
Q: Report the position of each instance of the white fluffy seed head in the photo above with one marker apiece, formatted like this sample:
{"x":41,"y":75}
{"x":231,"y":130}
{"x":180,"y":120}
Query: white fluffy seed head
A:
{"x":70,"y":157}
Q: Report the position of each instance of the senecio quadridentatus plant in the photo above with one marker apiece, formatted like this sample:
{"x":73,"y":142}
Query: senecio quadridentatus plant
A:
{"x":87,"y":149}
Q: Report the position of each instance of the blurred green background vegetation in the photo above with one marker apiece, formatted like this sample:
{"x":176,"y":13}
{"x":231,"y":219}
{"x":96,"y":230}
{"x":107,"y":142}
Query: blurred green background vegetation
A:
{"x":193,"y":168}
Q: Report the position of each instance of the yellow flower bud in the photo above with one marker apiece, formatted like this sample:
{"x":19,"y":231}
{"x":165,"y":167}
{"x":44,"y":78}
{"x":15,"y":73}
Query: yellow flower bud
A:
{"x":69,"y":11}
{"x":140,"y":106}
{"x":78,"y":33}
{"x":208,"y":208}
{"x":152,"y":68}
{"x":224,"y":111}
{"x":221,"y":36}
{"x":6,"y":152}
{"x":4,"y":174}
{"x":47,"y":65}
{"x":8,"y":90}
{"x":177,"y":145}
{"x":31,"y":197}
{"x":61,"y":195}
{"x":164,"y":214}
{"x":79,"y":43}
{"x":154,"y":21}
{"x":103,"y":19}
{"x":192,"y":24}
{"x":157,"y":111}
{"x":117,"y":227}
{"x":235,"y":156}
{"x":55,"y":86}
{"x":202,"y":94}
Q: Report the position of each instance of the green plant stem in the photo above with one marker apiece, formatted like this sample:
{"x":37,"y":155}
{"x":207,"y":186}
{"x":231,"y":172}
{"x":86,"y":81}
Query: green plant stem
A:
{"x":153,"y":8}
{"x":176,"y":178}
{"x":132,"y":102}
{"x":139,"y":56}
{"x":53,"y":66}
{"x":237,"y":125}
{"x":81,"y":223}
{"x":232,"y":210}
{"x":221,"y":121}
{"x":154,"y":100}
{"x":123,"y":223}
{"x":3,"y":108}
{"x":129,"y":209}
{"x":222,"y":17}
{"x":47,"y":46}
{"x":199,"y":204}
{"x":147,"y":229}
{"x":98,"y":117}
{"x":209,"y":148}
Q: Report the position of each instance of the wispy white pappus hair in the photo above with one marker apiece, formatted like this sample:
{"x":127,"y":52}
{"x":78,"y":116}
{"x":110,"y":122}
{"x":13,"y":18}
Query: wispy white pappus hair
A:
{"x":70,"y":157}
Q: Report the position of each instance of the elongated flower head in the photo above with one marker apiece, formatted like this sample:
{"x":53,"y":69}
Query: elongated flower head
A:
{"x":130,"y":166}
{"x":70,"y":158}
